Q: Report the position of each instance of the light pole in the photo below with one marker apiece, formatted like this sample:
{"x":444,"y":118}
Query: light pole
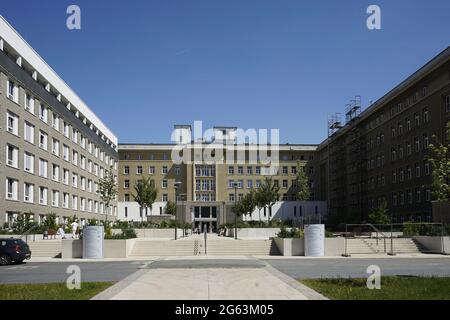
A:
{"x":235,"y":185}
{"x":177,"y":187}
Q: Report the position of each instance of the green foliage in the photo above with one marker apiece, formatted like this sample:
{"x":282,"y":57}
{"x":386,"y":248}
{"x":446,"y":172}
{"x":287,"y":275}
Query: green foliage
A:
{"x":420,"y":229}
{"x":246,"y":205}
{"x":145,"y":194}
{"x":267,"y":195}
{"x":50,"y":222}
{"x":302,"y":181}
{"x":171,"y":208}
{"x":439,"y":159}
{"x":24,"y":223}
{"x":294,"y":233}
{"x":92,"y":222}
{"x":380,"y":215}
{"x":107,"y":188}
{"x":127,"y":233}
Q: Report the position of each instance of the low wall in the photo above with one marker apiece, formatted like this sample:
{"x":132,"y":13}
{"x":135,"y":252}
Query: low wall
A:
{"x":290,"y":247}
{"x":435,"y":244}
{"x":154,"y":233}
{"x":112,"y":249}
{"x":441,"y":212}
{"x":296,"y":247}
{"x":255,"y":232}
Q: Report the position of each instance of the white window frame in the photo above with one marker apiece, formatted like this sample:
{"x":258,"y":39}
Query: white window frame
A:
{"x":14,"y":128}
{"x":28,"y":132}
{"x":14,"y":162}
{"x":30,"y":197}
{"x":27,"y":155}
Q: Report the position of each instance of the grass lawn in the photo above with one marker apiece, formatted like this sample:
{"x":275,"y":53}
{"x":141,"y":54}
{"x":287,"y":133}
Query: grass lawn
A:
{"x":392,"y":288}
{"x":54,"y":291}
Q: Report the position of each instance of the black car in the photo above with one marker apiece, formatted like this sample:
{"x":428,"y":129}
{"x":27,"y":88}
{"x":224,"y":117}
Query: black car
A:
{"x":13,"y":251}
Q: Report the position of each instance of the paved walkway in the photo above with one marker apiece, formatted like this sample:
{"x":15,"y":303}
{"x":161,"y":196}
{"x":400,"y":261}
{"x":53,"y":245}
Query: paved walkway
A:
{"x":251,"y":281}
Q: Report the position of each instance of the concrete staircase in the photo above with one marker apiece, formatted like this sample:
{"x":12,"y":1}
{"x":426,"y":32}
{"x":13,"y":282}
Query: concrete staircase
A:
{"x":370,"y":246}
{"x":242,"y":247}
{"x":148,"y":248}
{"x":192,"y":247}
{"x":45,"y":248}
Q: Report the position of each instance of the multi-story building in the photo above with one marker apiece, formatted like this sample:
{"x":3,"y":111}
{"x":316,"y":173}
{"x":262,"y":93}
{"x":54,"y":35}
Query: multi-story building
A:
{"x":380,"y":154}
{"x":206,"y":188}
{"x":54,"y":148}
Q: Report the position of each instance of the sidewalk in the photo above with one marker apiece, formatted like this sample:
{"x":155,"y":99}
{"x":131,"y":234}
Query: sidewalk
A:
{"x":209,"y":284}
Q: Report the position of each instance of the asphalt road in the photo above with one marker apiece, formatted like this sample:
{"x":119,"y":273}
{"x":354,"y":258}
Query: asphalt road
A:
{"x":51,"y":272}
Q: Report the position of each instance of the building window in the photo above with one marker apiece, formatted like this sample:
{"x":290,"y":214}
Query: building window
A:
{"x":66,"y":176}
{"x":428,"y":195}
{"x":28,"y":162}
{"x":55,"y":147}
{"x":165,"y":197}
{"x":55,"y":172}
{"x":74,"y":180}
{"x":177,"y":170}
{"x":11,"y":189}
{"x":126,"y":184}
{"x":164,"y":170}
{"x":74,"y":202}
{"x":29,"y":132}
{"x":230,"y":170}
{"x":43,"y":140}
{"x":417,"y":170}
{"x":285,"y":170}
{"x":13,"y":91}
{"x":12,"y":155}
{"x":231,"y":197}
{"x":127,"y":198}
{"x":240,"y":171}
{"x":55,"y":198}
{"x":28,"y":193}
{"x":151,"y":170}
{"x":285,"y":184}
{"x":43,"y":168}
{"x":55,"y":121}
{"x":126,"y":170}
{"x":427,"y":168}
{"x":258,"y":171}
{"x":66,"y":200}
{"x":43,"y":193}
{"x":249,"y":184}
{"x":74,"y":158}
{"x":12,"y":123}
{"x":164,"y":184}
{"x":249,"y":170}
{"x":139,"y":170}
{"x":43,"y":113}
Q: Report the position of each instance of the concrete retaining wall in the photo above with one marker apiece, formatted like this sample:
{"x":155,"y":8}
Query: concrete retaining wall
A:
{"x":255,"y":232}
{"x":112,"y":249}
{"x":296,"y":247}
{"x":154,"y":233}
{"x":435,"y":244}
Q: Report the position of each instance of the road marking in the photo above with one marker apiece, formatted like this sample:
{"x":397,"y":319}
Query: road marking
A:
{"x":23,"y":268}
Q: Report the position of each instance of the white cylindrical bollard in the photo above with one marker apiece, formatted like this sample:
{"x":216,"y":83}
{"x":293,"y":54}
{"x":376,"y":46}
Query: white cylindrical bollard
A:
{"x":93,"y":242}
{"x":315,"y":240}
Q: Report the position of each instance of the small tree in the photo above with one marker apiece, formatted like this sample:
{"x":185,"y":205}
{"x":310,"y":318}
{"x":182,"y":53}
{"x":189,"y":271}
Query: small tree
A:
{"x":107,"y":188}
{"x":260,"y":201}
{"x":302,"y":181}
{"x":50,"y":222}
{"x":171,"y":208}
{"x":439,"y":159}
{"x":268,"y":195}
{"x":145,"y":195}
{"x":380,"y":215}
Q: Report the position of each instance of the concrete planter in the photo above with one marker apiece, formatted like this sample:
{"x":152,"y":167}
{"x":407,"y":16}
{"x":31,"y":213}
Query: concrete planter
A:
{"x":290,"y":247}
{"x":113,"y":249}
{"x":296,"y":247}
{"x":154,"y":233}
{"x":255,"y":232}
{"x":435,"y":244}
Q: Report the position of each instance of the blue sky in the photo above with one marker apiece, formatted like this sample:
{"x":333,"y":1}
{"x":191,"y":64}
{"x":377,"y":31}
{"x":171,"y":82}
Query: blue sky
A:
{"x":283,"y":64}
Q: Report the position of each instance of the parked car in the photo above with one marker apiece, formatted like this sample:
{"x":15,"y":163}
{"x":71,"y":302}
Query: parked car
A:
{"x":13,"y":251}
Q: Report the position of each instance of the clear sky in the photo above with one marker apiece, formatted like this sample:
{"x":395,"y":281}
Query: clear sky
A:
{"x":144,"y":65}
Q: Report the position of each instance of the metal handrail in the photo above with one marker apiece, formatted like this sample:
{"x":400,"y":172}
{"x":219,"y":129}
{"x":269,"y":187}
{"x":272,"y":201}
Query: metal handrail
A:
{"x":27,"y":233}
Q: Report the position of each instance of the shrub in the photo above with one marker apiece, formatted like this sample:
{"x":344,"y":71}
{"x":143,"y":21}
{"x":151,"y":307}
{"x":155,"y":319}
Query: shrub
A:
{"x":294,"y":233}
{"x":126,"y":234}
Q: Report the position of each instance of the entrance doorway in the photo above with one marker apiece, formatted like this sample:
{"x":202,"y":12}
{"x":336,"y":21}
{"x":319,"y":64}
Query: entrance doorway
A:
{"x":205,"y":219}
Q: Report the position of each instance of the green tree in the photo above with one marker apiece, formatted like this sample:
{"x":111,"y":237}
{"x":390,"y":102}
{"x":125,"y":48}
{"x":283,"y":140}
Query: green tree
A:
{"x":171,"y":208}
{"x":302,"y":190}
{"x":107,"y":188}
{"x":50,"y":222}
{"x":24,"y":223}
{"x":260,"y":201}
{"x":270,"y":192}
{"x":145,"y":194}
{"x":246,"y":205}
{"x":380,"y":215}
{"x":439,"y":158}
